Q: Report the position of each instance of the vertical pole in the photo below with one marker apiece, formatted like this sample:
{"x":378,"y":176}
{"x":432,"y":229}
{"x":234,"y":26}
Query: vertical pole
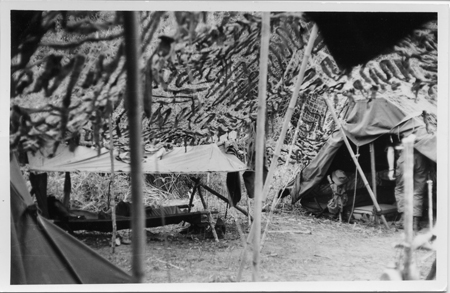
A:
{"x":260,"y":140}
{"x":408,"y":173}
{"x":374,"y":175}
{"x":112,"y":201}
{"x":430,"y":204}
{"x":134,"y":100}
{"x":280,"y":141}
{"x":67,"y":189}
{"x":210,"y":219}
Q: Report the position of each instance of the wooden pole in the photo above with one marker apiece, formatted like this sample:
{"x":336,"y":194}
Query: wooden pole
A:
{"x":430,"y":204}
{"x":287,"y":119}
{"x":355,"y":160}
{"x":290,"y":110}
{"x":112,"y":201}
{"x":373,"y":169}
{"x":67,"y":190}
{"x":374,"y":175}
{"x":210,"y":219}
{"x":134,"y":100}
{"x":260,"y":140}
{"x":225,"y":200}
{"x":408,"y":173}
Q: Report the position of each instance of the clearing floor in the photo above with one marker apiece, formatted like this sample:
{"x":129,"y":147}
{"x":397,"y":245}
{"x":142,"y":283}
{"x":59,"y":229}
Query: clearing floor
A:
{"x":299,"y":247}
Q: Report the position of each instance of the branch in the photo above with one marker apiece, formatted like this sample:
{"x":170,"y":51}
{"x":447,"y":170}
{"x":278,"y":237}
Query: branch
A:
{"x":76,"y":44}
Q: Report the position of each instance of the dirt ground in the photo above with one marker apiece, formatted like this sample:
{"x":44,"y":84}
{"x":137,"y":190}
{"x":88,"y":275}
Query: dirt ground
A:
{"x":332,"y":251}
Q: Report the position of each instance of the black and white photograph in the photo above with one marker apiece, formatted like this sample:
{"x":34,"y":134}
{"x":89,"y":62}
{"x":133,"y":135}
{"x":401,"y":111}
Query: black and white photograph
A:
{"x":225,"y":146}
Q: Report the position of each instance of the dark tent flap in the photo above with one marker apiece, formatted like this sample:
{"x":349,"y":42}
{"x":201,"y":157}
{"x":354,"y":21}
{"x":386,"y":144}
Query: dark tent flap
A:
{"x":42,"y":253}
{"x":355,"y":38}
{"x":369,"y":119}
{"x":317,"y":168}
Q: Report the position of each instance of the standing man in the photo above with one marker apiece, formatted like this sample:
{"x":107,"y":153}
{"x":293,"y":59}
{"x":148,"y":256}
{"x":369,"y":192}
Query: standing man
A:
{"x":420,"y":175}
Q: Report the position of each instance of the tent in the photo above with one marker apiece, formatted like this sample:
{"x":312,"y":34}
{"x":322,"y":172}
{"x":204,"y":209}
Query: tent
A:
{"x":370,"y":121}
{"x":42,"y":253}
{"x":184,"y":160}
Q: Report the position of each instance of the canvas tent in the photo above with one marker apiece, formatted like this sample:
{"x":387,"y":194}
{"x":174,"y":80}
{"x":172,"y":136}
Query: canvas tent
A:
{"x":42,"y":253}
{"x":182,"y":160}
{"x":368,"y":122}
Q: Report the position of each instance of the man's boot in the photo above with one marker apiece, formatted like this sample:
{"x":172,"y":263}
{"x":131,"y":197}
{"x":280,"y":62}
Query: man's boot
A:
{"x":416,"y":221}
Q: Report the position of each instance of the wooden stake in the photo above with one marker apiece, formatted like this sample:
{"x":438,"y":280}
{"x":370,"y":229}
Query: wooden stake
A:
{"x":430,"y":204}
{"x":355,"y":160}
{"x":260,"y":140}
{"x":134,"y":100}
{"x":408,"y":174}
{"x":67,"y":190}
{"x":112,"y":201}
{"x":374,"y":175}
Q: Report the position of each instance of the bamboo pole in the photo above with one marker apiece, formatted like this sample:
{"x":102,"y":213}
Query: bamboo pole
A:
{"x":408,"y":173}
{"x":112,"y":201}
{"x":134,"y":100}
{"x":430,"y":204}
{"x":290,"y":110}
{"x":355,"y":160}
{"x":374,"y":176}
{"x":287,"y":119}
{"x":260,"y":140}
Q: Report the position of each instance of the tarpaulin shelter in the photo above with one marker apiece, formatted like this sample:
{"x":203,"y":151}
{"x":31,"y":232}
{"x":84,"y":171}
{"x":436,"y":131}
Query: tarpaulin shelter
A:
{"x":368,"y":122}
{"x":180,"y":160}
{"x":42,"y":253}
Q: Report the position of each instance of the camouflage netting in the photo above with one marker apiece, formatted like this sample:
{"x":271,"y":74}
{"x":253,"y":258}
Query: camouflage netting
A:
{"x":199,"y":75}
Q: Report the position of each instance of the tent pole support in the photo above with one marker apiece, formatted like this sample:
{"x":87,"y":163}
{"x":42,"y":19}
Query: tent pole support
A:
{"x":67,"y":190}
{"x":197,"y":187}
{"x":191,"y":199}
{"x":210,"y":220}
{"x":280,"y":142}
{"x":224,"y":199}
{"x":39,"y":184}
{"x":358,"y":166}
{"x":374,"y":176}
{"x":134,"y":102}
